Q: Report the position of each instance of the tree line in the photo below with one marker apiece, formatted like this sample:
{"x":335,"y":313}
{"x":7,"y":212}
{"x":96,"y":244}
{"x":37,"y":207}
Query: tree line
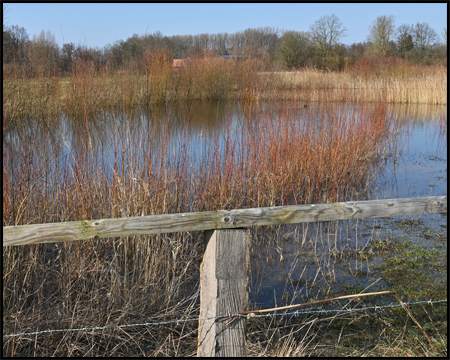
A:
{"x":320,"y":47}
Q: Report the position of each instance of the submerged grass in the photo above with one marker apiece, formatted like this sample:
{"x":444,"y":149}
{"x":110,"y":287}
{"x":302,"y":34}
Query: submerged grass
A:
{"x":367,"y":332}
{"x":392,"y":333}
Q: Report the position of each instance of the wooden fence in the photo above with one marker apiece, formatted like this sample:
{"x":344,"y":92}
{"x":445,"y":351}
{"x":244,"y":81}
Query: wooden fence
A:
{"x":223,"y":274}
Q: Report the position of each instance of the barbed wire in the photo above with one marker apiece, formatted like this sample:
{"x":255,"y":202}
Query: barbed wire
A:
{"x":291,"y":313}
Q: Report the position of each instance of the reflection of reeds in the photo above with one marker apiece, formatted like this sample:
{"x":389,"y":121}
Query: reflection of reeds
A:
{"x":275,"y":161}
{"x":443,"y":125}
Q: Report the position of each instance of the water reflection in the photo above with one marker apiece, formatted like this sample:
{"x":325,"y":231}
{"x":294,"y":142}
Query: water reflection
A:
{"x":196,"y":127}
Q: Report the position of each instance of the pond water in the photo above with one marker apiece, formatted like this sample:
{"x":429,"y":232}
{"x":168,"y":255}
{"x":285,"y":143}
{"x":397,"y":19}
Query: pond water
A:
{"x":421,"y":166}
{"x":417,"y":166}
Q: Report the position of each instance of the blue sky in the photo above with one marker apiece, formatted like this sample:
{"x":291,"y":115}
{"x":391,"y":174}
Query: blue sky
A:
{"x":96,"y":25}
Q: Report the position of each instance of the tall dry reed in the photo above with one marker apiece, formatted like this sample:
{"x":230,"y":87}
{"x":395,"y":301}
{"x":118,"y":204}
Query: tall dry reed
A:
{"x":400,"y":84}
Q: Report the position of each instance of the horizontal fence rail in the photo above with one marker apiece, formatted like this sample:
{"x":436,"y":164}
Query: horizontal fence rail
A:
{"x":216,"y":220}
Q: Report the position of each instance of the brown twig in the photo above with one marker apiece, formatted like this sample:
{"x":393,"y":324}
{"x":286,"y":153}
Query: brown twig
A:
{"x":254,"y":312}
{"x":417,"y":323}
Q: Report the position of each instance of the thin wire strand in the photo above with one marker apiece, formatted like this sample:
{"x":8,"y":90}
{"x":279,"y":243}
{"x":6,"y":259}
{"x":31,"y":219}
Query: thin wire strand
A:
{"x":292,"y":313}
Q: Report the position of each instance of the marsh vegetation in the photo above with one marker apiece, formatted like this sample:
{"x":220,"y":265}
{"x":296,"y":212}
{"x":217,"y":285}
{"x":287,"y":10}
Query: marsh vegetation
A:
{"x":217,"y":134}
{"x":87,"y":91}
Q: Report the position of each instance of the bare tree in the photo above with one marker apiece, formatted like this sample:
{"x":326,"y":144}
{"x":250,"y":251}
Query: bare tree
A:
{"x":405,"y":42}
{"x":180,"y":44}
{"x":381,"y":32}
{"x":201,"y":43}
{"x":424,"y":38}
{"x":67,"y":57}
{"x":43,"y":54}
{"x":326,"y":34}
{"x":15,"y":43}
{"x":220,"y":43}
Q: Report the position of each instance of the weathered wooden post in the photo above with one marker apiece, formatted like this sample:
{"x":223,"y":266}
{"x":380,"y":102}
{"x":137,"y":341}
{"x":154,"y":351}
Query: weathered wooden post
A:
{"x":223,"y":291}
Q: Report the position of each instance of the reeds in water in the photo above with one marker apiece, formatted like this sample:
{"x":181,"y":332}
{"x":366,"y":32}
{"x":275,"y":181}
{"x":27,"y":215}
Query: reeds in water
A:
{"x":62,"y":175}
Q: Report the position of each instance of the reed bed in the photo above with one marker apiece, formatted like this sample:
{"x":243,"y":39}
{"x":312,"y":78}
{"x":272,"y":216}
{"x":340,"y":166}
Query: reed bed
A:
{"x":65,"y":170}
{"x":87,"y":91}
{"x":411,"y":86}
{"x":275,"y":161}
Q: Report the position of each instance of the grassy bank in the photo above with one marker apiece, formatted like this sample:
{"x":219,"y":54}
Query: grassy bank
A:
{"x":86,"y":92}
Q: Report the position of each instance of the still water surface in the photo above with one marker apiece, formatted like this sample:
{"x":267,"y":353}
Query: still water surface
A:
{"x":418,"y":168}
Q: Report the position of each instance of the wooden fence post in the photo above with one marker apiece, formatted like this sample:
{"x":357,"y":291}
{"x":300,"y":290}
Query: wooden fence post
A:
{"x":223,"y":291}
